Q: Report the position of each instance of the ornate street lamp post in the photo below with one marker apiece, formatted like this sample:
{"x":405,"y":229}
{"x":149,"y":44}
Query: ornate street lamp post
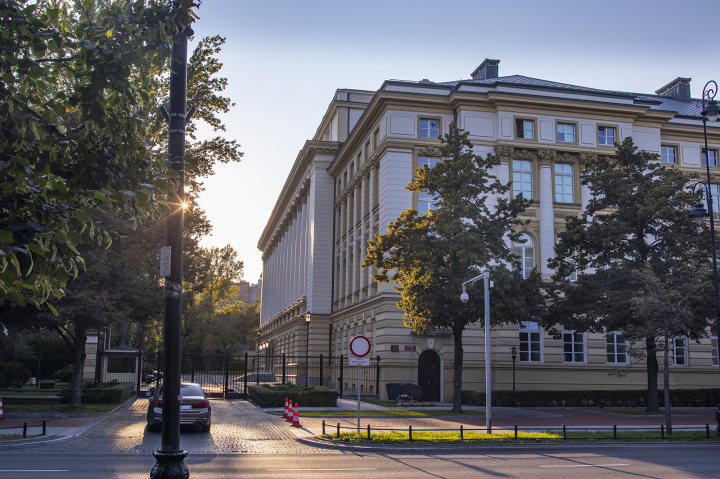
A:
{"x":513,"y":352}
{"x":307,"y":345}
{"x":710,"y":112}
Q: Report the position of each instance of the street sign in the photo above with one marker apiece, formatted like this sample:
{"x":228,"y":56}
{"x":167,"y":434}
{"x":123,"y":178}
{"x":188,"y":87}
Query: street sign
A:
{"x":360,"y":346}
{"x":165,"y":261}
{"x":358,"y":361}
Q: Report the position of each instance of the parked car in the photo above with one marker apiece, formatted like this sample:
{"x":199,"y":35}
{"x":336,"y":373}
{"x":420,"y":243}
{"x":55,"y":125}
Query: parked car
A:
{"x":194,"y":407}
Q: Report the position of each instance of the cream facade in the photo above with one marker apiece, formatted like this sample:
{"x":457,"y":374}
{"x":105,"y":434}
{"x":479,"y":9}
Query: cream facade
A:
{"x":348,"y":183}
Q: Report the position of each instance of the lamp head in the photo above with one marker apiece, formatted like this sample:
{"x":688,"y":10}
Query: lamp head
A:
{"x":307,"y":316}
{"x":699,"y":213}
{"x":712,"y":110}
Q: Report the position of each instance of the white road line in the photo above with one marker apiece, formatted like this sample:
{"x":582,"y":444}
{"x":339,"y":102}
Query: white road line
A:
{"x":348,"y":469}
{"x":34,"y":470}
{"x":587,"y":465}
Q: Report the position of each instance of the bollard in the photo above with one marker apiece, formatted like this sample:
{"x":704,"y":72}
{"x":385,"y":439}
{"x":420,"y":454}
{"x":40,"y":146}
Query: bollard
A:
{"x":564,"y":433}
{"x":662,"y":431}
{"x":707,"y":430}
{"x":410,"y":433}
{"x":338,"y":431}
{"x":323,"y":427}
{"x":368,"y":432}
{"x":44,"y":428}
{"x":516,"y":432}
{"x":24,"y":429}
{"x":615,"y":432}
{"x":285,"y":414}
{"x":461,"y":432}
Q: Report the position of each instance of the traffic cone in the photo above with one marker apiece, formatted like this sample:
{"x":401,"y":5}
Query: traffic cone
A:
{"x":285,"y":414}
{"x":296,"y":418}
{"x":1,"y":413}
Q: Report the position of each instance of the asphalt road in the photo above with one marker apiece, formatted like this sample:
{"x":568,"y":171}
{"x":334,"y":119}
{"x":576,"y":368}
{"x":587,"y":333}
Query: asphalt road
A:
{"x":660,"y":461}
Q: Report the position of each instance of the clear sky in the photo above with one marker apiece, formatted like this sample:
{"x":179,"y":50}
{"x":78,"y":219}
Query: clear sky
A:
{"x":284,"y":59}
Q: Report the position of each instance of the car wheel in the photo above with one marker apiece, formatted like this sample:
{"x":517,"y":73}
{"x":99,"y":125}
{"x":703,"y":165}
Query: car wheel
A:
{"x":153,"y":428}
{"x":205,"y":428}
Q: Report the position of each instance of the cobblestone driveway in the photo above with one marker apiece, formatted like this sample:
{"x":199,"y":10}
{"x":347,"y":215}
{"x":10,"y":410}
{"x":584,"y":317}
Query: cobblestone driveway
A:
{"x":238,"y":427}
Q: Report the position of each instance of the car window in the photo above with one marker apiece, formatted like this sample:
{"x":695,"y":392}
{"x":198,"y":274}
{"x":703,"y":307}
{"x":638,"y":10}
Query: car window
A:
{"x":190,"y":391}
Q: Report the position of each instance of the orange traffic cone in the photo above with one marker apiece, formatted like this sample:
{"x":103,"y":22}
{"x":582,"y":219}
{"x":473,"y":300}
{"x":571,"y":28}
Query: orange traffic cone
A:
{"x":296,"y":418}
{"x":1,"y":414}
{"x":285,"y":414}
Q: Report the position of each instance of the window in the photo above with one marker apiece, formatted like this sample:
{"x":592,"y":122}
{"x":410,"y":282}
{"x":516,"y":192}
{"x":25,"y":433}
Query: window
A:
{"x":574,"y":347}
{"x":564,"y":183}
{"x":530,"y":342}
{"x":525,"y":129}
{"x":525,"y":252}
{"x":121,"y":365}
{"x":566,"y":132}
{"x":429,"y":128}
{"x":713,"y":157}
{"x":714,"y":347}
{"x":680,"y":351}
{"x":715,"y":195}
{"x":425,"y":201}
{"x":669,"y":154}
{"x":606,"y":135}
{"x":616,"y":348}
{"x":523,"y":178}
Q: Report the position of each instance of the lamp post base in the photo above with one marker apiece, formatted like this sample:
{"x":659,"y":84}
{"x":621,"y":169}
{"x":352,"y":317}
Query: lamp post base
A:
{"x":170,"y":465}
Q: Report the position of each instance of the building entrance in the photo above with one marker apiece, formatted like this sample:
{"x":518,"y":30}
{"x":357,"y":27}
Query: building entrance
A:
{"x":429,"y":375}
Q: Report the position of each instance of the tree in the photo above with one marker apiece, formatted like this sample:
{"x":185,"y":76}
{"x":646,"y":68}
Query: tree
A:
{"x":72,"y":136}
{"x":429,"y":256}
{"x":643,"y":261}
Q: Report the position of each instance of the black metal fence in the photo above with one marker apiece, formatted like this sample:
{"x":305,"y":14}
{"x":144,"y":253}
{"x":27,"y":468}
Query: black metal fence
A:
{"x":222,"y":375}
{"x":37,"y":371}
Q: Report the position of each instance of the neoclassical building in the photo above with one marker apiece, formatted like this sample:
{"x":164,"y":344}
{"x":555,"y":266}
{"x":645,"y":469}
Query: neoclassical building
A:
{"x":348,"y":183}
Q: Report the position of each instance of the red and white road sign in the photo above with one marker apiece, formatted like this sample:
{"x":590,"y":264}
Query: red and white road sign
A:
{"x":360,"y":346}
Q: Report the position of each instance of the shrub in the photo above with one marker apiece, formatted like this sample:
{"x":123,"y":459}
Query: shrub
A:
{"x":315,"y":396}
{"x":592,"y":398}
{"x":13,"y":375}
{"x":105,"y":393}
{"x":64,"y":374}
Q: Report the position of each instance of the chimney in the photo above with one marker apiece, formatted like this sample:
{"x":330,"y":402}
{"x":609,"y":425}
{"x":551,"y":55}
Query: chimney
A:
{"x":679,"y":89}
{"x":487,"y":69}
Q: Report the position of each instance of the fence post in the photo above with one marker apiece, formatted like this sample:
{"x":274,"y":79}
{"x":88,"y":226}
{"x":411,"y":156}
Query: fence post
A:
{"x":321,"y":371}
{"x":139,"y":374}
{"x":369,"y":432}
{"x":564,"y":433}
{"x":662,"y":431}
{"x":284,"y":360}
{"x":377,"y":376}
{"x":245,"y":377}
{"x":615,"y":432}
{"x":45,"y":434}
{"x":516,"y":432}
{"x":24,"y":429}
{"x":461,"y":432}
{"x":257,"y":368}
{"x":342,"y":361}
{"x":227,"y":374}
{"x":410,"y":433}
{"x":323,"y":427}
{"x":338,"y":431}
{"x":707,"y":430}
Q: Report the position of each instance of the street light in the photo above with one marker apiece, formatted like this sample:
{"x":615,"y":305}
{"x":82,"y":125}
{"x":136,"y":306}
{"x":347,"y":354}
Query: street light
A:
{"x":488,"y":390}
{"x":307,"y":345}
{"x":710,"y":112}
{"x":513,"y":352}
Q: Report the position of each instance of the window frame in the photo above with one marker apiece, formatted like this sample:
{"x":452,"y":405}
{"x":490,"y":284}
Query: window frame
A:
{"x":566,"y":123}
{"x":421,"y":119}
{"x":565,"y":175}
{"x":677,"y":154}
{"x":714,"y":350}
{"x":530,"y":332}
{"x":616,"y":345}
{"x":531,"y":171}
{"x":605,"y":127}
{"x":574,"y":352}
{"x":417,"y":198}
{"x":524,"y":119}
{"x":684,"y":348}
{"x":703,"y":162}
{"x":523,"y":257}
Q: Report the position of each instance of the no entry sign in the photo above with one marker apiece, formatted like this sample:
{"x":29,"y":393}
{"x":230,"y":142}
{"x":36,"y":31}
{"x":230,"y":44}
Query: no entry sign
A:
{"x":360,"y":346}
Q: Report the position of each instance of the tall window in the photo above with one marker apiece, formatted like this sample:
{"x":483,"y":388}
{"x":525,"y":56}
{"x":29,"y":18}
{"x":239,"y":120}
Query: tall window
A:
{"x":564,"y":183}
{"x":530,"y":336}
{"x":616,"y":348}
{"x":523,"y":178}
{"x":714,"y":348}
{"x":574,"y":347}
{"x":426,"y":201}
{"x":669,"y":154}
{"x":680,"y":351}
{"x":566,"y":132}
{"x":606,"y":136}
{"x":429,"y":128}
{"x":715,"y":195}
{"x":713,"y":157}
{"x":525,"y":129}
{"x":525,"y":252}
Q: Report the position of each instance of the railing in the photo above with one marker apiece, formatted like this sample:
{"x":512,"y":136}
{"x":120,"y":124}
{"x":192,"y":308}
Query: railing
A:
{"x":42,"y":372}
{"x":25,"y":427}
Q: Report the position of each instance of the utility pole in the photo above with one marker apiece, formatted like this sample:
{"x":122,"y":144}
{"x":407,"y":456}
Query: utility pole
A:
{"x":170,"y":456}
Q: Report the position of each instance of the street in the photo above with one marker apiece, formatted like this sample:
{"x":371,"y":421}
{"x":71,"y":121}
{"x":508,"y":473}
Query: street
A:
{"x":663,"y":461}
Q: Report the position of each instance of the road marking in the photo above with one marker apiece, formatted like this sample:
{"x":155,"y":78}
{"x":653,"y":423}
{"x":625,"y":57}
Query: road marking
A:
{"x":34,"y":470}
{"x":588,"y":465}
{"x":348,"y":469}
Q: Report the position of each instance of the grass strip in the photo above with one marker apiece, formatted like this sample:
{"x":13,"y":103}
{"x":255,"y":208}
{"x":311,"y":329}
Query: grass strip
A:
{"x":453,"y":437}
{"x":85,"y":408}
{"x":636,"y":411}
{"x":391,"y":412}
{"x":13,"y":437}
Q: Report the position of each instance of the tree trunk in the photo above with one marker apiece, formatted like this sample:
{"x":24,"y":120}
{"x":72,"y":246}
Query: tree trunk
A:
{"x":457,"y":370}
{"x":78,"y":364}
{"x":652,"y":374}
{"x":666,"y":383}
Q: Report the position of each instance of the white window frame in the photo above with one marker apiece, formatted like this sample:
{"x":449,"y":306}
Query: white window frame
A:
{"x":425,"y":201}
{"x":605,"y":130}
{"x":715,"y":196}
{"x":616,"y":347}
{"x":576,"y":347}
{"x":525,"y":252}
{"x":564,"y":174}
{"x":427,"y":129}
{"x":680,"y":351}
{"x":523,"y":176}
{"x":529,"y":333}
{"x":666,"y":156}
{"x":713,"y":156}
{"x":528,"y":128}
{"x":565,"y":134}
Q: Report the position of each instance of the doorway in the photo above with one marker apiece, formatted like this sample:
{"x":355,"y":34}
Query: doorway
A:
{"x":429,"y":375}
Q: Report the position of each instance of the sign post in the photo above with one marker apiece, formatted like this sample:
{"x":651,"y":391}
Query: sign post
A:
{"x":359,"y":347}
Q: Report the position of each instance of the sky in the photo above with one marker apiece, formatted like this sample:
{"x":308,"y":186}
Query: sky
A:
{"x":284,"y":59}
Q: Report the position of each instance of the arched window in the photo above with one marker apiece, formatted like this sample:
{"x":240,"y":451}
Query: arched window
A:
{"x":525,"y":251}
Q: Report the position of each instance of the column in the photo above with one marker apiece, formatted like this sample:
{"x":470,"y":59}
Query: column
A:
{"x":547,"y":221}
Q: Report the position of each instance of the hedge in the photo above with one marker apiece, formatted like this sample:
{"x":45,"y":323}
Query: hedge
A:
{"x":104,"y":394}
{"x":315,"y":396}
{"x":593,"y":398}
